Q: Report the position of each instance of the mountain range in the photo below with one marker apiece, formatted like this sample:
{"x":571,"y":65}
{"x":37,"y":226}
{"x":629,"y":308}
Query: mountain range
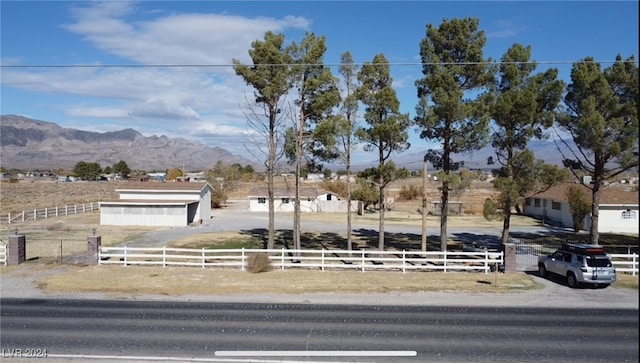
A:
{"x":29,"y":144}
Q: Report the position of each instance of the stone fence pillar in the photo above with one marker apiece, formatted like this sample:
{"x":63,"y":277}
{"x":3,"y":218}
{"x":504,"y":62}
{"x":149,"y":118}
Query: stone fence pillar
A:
{"x":93,"y":249}
{"x":16,"y":252}
{"x":509,"y":250}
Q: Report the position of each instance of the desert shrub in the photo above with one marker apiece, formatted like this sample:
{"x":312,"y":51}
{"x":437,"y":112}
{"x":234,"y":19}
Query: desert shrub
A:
{"x":218,"y":198}
{"x":259,"y":262}
{"x":410,"y":192}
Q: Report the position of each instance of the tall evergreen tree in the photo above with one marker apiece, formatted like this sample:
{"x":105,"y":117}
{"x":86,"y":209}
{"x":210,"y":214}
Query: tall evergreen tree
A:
{"x":523,"y":106}
{"x":450,"y":110}
{"x":317,"y":94}
{"x":270,"y":77}
{"x":602,"y":119}
{"x":386,"y":132}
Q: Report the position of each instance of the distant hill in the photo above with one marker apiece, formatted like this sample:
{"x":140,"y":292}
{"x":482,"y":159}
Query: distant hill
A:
{"x":33,"y":144}
{"x":542,"y":149}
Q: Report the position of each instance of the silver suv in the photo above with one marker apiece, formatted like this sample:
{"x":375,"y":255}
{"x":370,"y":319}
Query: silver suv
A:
{"x":579,"y":264}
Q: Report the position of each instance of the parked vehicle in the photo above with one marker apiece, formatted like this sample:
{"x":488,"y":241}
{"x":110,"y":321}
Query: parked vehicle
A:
{"x":579,"y":264}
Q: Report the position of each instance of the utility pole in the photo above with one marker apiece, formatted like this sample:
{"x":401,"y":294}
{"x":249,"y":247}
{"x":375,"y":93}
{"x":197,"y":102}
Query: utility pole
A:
{"x":424,"y":204}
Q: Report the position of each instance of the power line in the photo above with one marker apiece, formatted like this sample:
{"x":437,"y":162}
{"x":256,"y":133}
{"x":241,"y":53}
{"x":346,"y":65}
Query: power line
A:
{"x":297,"y":64}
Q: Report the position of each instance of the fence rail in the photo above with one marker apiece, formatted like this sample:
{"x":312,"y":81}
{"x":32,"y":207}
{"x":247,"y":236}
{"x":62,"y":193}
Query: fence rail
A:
{"x":627,"y":263}
{"x":363,"y":260}
{"x":37,"y":214}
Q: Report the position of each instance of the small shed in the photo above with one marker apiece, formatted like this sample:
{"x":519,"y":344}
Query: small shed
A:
{"x":158,"y":204}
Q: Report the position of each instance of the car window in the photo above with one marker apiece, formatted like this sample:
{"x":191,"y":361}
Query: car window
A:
{"x":580,"y":260}
{"x":567,"y":257}
{"x":598,"y":262}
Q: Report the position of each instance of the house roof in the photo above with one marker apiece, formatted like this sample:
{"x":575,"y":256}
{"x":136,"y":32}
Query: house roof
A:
{"x":286,"y":192}
{"x":162,"y":187}
{"x":610,"y":194}
{"x":155,"y":202}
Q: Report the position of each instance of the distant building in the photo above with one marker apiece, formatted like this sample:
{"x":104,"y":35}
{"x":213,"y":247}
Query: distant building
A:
{"x":311,"y":200}
{"x":618,"y":211}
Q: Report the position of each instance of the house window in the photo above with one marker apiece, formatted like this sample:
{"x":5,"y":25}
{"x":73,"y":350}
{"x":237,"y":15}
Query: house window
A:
{"x":285,"y":200}
{"x":527,"y":202}
{"x":328,"y":196}
{"x":536,"y":203}
{"x":556,"y":205}
{"x":262,"y":200}
{"x":629,"y":215}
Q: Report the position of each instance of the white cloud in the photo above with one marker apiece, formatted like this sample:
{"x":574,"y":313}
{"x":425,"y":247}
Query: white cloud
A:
{"x":506,"y":28}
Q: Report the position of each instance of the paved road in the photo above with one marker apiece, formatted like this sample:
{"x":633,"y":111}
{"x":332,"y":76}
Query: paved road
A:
{"x":84,"y":329}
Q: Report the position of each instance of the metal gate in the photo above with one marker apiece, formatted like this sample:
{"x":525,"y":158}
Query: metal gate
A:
{"x":55,"y":249}
{"x":528,"y":251}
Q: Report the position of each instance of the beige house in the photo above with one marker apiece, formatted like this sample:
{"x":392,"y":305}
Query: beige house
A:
{"x":618,"y":211}
{"x":158,"y":204}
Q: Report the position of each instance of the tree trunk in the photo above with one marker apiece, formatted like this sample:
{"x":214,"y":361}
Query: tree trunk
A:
{"x":594,"y":235}
{"x":424,"y":205}
{"x":349,"y":239}
{"x":443,"y":215}
{"x":382,"y":208}
{"x":270,"y":171}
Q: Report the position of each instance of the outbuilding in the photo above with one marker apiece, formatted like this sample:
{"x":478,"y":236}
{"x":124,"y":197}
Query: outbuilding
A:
{"x":158,"y":204}
{"x":618,"y":207}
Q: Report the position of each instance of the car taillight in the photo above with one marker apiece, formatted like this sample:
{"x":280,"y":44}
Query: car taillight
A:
{"x":583,"y":269}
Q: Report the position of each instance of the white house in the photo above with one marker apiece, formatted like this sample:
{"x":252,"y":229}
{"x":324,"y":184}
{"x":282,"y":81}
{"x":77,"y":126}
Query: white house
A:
{"x":158,"y":204}
{"x":618,"y":211}
{"x":311,"y":200}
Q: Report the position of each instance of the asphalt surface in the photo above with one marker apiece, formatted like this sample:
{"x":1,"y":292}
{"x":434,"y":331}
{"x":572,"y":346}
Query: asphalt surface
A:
{"x":156,"y":331}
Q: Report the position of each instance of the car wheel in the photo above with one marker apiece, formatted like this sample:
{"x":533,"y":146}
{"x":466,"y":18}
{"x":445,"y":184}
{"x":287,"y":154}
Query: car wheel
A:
{"x":542,"y":271}
{"x":571,"y":280}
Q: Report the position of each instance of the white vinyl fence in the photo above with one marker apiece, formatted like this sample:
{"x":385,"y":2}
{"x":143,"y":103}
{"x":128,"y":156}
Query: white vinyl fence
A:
{"x":54,"y":212}
{"x":362,"y":260}
{"x":627,"y":263}
{"x":3,"y":255}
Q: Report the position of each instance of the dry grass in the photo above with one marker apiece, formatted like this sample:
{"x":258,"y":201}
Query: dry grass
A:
{"x":180,"y":280}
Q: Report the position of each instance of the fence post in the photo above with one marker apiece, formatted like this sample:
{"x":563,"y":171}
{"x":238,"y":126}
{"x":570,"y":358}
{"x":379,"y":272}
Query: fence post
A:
{"x":16,"y":251}
{"x":35,"y":214}
{"x":282,"y":259}
{"x":164,"y":256}
{"x":444,"y":258}
{"x":322,"y":260}
{"x":94,"y":243}
{"x":362,"y":260}
{"x":403,"y":261}
{"x":125,"y":255}
{"x":243,"y":260}
{"x":203,"y":258}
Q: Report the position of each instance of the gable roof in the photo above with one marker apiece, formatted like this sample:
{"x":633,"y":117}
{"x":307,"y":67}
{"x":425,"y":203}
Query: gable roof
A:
{"x":162,"y":187}
{"x":286,"y":192}
{"x":610,"y":194}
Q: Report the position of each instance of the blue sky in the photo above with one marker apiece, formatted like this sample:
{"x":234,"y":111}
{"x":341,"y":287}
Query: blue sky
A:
{"x":207,"y":105}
